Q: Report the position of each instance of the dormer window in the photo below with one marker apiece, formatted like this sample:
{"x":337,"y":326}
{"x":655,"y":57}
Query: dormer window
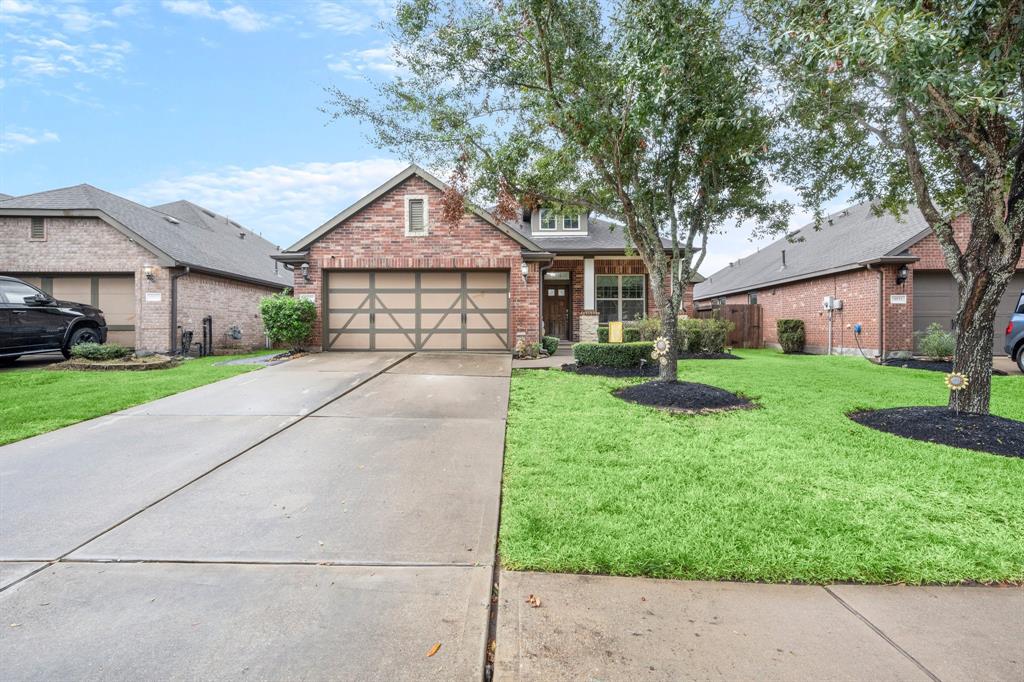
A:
{"x":549,"y":220}
{"x":416,"y":216}
{"x":571,"y":222}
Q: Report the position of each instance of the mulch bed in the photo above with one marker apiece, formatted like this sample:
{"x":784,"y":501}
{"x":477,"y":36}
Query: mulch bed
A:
{"x":708,"y":356}
{"x":985,"y":433}
{"x":648,"y":370}
{"x":930,"y":365}
{"x":682,"y":396}
{"x":131,"y":364}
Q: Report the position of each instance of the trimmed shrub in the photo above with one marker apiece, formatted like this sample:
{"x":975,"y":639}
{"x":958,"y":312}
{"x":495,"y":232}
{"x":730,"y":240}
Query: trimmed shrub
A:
{"x":649,"y":328}
{"x":702,"y":335}
{"x":613,"y":354}
{"x":100,"y":351}
{"x":550,"y":344}
{"x":631,"y":334}
{"x":936,"y":343}
{"x":602,"y":334}
{"x":715,"y":334}
{"x":791,"y":335}
{"x":288,"y":321}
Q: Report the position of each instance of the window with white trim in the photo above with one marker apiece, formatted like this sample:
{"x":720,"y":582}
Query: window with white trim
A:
{"x":37,"y":231}
{"x":571,"y":222}
{"x":620,"y":297}
{"x":416,"y":215}
{"x":549,"y":220}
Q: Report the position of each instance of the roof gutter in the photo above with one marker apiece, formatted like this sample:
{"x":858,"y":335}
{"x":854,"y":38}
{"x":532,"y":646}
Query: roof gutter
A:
{"x":888,"y":260}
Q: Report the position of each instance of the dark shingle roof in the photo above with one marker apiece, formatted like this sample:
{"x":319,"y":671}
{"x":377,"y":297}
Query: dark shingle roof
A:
{"x":214,"y":247}
{"x":845,"y":240}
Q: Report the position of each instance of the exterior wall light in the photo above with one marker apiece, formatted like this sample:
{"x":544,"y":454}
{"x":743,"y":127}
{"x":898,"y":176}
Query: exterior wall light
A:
{"x":305,"y":272}
{"x":901,"y":274}
{"x":147,"y":270}
{"x":525,"y":270}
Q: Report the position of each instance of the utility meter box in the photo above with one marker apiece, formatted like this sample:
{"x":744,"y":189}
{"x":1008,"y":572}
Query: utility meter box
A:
{"x":832,"y":303}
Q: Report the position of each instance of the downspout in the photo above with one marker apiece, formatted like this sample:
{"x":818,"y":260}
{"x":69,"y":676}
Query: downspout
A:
{"x":174,"y":304}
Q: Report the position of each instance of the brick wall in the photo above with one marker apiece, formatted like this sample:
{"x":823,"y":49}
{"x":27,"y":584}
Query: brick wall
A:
{"x":859,"y":291}
{"x":230,"y":303}
{"x":374,"y":238}
{"x":930,"y":253}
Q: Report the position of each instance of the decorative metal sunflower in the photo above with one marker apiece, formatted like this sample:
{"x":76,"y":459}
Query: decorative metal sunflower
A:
{"x":660,"y":351}
{"x":956,"y":381}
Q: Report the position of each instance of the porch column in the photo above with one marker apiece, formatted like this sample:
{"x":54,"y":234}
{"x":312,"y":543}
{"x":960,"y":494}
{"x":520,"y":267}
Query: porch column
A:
{"x":588,"y":284}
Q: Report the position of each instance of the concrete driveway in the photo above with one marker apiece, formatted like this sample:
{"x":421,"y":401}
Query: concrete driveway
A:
{"x":331,"y":517}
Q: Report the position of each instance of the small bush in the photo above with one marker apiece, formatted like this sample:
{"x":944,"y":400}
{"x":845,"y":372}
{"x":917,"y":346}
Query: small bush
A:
{"x":624,"y":355}
{"x":649,"y":328}
{"x":936,"y":343}
{"x":550,"y":344}
{"x":602,"y":334}
{"x":287,"y":320}
{"x":524,"y":350}
{"x":100,"y":351}
{"x":629,"y":334}
{"x":791,"y":335}
{"x":702,"y":335}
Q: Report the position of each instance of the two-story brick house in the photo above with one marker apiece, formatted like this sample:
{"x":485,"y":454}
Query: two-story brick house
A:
{"x":387,"y":273}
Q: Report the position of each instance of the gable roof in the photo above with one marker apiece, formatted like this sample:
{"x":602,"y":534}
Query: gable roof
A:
{"x":412,"y":169}
{"x":5,"y":196}
{"x":174,"y":242}
{"x":602,"y":236}
{"x":847,"y":240}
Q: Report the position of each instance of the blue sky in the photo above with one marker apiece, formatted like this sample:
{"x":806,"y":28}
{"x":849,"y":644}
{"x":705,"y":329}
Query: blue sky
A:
{"x":208,"y":100}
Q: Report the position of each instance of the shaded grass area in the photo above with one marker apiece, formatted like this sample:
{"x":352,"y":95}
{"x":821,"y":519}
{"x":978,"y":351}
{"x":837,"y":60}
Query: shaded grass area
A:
{"x":790,"y":491}
{"x":35,"y":401}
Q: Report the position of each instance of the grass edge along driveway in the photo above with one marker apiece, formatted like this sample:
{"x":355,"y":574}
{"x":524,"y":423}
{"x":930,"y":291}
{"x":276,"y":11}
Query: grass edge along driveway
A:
{"x":790,"y":491}
{"x":35,"y":401}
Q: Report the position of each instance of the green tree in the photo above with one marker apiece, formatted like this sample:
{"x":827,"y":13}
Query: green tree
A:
{"x":914,"y":101}
{"x":645,"y":112}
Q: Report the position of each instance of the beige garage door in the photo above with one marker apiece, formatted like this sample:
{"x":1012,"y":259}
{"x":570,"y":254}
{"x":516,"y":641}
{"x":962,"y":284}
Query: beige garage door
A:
{"x":935,"y":298}
{"x":113,"y":294}
{"x":416,"y":311}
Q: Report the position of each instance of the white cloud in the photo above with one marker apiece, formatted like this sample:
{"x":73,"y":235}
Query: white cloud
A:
{"x":13,"y":139}
{"x":237,"y":17}
{"x":359,"y":63}
{"x":77,"y":19}
{"x":9,"y":8}
{"x":352,"y":16}
{"x":55,"y":55}
{"x":282,"y":202}
{"x":125,"y":9}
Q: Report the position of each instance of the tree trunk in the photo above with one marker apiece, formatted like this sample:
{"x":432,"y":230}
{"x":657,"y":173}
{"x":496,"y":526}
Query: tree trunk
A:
{"x":972,"y":357}
{"x":669,"y":370}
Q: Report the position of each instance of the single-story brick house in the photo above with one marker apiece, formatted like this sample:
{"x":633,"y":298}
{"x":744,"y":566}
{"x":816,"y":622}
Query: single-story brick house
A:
{"x":387,"y":273}
{"x":153,"y":271}
{"x":888,"y":272}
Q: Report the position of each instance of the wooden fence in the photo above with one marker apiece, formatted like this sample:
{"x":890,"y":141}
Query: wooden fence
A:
{"x":747,"y":319}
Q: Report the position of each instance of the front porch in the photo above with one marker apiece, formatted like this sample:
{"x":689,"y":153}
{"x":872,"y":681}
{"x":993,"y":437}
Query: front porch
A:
{"x":617,"y":287}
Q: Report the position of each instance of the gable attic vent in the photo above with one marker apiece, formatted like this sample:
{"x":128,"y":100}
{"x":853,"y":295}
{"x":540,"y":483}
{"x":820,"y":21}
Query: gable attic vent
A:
{"x":416,"y":222}
{"x":38,"y":229}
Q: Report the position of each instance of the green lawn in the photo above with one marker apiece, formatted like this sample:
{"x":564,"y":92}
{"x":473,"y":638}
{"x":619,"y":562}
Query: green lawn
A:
{"x":39,"y":400}
{"x":791,"y":491}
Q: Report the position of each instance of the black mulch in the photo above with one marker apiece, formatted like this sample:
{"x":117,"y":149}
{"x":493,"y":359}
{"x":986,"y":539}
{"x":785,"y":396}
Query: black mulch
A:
{"x":930,"y":365}
{"x":682,"y":396}
{"x":987,"y":433}
{"x":648,"y":370}
{"x":708,"y":356}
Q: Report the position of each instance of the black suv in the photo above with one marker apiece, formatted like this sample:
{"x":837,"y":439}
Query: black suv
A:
{"x":34,"y":322}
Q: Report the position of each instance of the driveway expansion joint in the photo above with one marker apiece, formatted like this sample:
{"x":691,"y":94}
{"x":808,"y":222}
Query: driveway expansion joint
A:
{"x":878,"y":631}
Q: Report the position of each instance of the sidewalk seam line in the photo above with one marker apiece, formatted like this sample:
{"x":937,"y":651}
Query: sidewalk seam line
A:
{"x":255,"y":445}
{"x":878,"y":631}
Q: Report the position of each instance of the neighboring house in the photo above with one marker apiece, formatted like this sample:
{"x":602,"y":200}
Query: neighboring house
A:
{"x":387,"y":273}
{"x":888,"y":272}
{"x":153,"y":271}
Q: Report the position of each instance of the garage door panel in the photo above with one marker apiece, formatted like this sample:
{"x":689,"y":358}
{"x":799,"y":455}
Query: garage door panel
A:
{"x":116,"y":298}
{"x":417,"y":310}
{"x":75,"y":289}
{"x":935,"y":300}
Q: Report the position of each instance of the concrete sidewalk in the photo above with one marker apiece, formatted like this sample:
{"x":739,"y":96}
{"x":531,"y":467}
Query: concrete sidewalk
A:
{"x":607,"y":628}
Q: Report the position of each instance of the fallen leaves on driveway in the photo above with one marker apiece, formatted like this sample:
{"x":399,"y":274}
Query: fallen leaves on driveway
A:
{"x":434,"y":649}
{"x":533,"y":600}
